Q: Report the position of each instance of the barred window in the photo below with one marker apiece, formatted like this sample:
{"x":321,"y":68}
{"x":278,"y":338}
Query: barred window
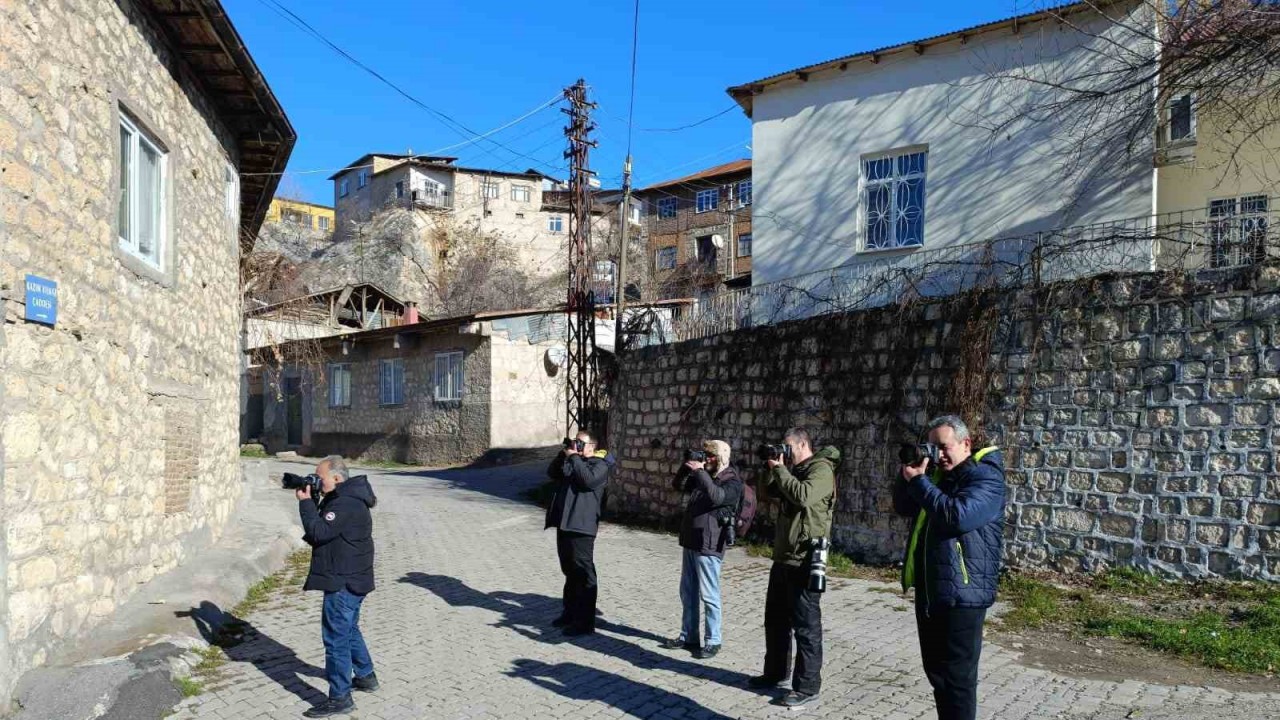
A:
{"x":893,"y":198}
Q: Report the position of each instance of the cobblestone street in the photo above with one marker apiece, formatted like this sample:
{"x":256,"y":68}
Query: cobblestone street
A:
{"x":468,"y":583}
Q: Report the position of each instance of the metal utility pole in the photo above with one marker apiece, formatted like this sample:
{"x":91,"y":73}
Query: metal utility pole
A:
{"x":620,"y":295}
{"x":582,"y":397}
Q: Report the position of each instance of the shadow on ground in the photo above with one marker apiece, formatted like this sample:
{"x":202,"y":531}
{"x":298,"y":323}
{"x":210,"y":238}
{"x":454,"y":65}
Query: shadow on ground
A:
{"x":244,"y":643}
{"x":579,"y":682}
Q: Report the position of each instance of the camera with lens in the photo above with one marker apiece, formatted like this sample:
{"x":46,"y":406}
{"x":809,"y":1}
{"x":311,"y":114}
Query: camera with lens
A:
{"x":298,"y":482}
{"x":773,"y":452}
{"x":819,"y":553}
{"x":695,"y":456}
{"x":914,"y":453}
{"x":575,"y":444}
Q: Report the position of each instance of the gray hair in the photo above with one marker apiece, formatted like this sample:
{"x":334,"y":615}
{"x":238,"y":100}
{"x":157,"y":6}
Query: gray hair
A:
{"x":952,"y":421}
{"x":338,"y":465}
{"x":799,"y":434}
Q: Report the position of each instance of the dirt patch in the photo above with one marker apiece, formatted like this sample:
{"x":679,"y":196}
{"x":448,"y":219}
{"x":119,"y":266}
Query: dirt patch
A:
{"x":1100,"y":658}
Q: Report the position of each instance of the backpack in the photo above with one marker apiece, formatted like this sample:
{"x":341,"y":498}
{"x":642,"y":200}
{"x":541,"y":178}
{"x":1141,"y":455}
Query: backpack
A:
{"x":743,"y":514}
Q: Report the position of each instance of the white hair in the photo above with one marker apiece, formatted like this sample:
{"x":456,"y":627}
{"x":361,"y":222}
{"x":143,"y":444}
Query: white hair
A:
{"x":952,"y":421}
{"x":338,"y":465}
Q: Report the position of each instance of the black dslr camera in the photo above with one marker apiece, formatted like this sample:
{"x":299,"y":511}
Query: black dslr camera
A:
{"x":298,"y":482}
{"x":773,"y":452}
{"x":695,"y":456}
{"x":913,"y":453}
{"x":575,"y":444}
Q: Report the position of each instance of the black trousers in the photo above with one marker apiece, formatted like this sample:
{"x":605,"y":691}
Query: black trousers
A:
{"x":950,"y":644}
{"x":577,"y":562}
{"x":790,"y":608}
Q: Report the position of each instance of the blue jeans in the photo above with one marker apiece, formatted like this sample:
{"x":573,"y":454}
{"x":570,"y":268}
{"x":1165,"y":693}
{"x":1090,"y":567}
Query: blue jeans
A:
{"x":700,"y":580}
{"x":344,"y":648}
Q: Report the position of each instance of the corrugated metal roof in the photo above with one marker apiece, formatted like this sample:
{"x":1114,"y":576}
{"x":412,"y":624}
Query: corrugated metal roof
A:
{"x":728,"y":168}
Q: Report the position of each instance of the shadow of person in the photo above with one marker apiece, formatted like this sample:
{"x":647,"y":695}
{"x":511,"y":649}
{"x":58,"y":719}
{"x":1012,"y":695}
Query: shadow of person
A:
{"x":242,"y":642}
{"x":579,"y":682}
{"x":529,"y":614}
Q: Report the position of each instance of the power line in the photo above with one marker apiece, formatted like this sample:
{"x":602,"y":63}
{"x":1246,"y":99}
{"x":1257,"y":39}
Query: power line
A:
{"x":526,"y":116}
{"x":444,"y":118}
{"x":690,"y":125}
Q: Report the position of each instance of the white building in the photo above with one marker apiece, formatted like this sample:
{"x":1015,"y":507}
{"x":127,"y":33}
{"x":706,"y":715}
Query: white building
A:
{"x":882,"y":157}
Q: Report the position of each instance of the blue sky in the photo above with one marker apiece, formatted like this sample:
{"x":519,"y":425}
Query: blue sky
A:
{"x":487,"y":63}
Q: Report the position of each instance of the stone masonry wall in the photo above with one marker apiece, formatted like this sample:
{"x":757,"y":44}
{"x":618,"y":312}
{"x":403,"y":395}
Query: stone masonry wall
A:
{"x":420,"y":430}
{"x":1138,"y":416}
{"x":119,"y":424}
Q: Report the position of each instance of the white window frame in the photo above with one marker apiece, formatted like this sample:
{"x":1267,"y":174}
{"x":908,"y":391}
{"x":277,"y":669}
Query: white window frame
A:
{"x":339,"y":392}
{"x":667,"y":207}
{"x":711,"y":195}
{"x":521,"y":193}
{"x":669,"y":252}
{"x":741,"y":254}
{"x":344,"y":187}
{"x":129,"y":175}
{"x":323,"y":221}
{"x":738,"y":193}
{"x":447,"y":373}
{"x":391,"y":395}
{"x":892,"y":182}
{"x":1238,"y":237}
{"x":362,"y":179}
{"x":490,"y":189}
{"x":231,"y":181}
{"x":555,"y":224}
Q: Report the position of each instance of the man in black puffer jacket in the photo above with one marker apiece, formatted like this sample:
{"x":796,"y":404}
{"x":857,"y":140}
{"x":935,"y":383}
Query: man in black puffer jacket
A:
{"x":953,"y":558}
{"x":340,"y":533}
{"x":713,"y":491}
{"x":581,"y":473}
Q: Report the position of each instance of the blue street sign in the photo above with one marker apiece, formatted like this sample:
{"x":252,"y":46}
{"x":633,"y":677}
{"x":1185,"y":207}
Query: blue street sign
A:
{"x":42,"y":300}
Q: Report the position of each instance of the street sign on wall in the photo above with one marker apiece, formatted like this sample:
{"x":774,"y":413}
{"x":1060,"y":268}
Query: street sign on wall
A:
{"x":42,"y":300}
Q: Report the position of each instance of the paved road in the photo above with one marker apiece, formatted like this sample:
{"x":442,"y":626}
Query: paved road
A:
{"x":468,"y":582}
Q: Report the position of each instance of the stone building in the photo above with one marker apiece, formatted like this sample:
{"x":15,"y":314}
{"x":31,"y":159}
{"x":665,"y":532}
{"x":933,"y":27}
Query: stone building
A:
{"x":138,"y":142}
{"x":439,"y":392}
{"x":699,"y":230}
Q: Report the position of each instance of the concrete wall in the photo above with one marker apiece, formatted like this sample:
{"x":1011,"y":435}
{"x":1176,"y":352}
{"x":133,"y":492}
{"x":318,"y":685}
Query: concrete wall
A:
{"x":809,"y":139}
{"x":120,"y":424}
{"x":1140,"y":417}
{"x":527,"y":404}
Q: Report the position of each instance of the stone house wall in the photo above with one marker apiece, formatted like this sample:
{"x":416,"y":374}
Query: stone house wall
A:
{"x":1138,"y":416}
{"x":119,"y":424}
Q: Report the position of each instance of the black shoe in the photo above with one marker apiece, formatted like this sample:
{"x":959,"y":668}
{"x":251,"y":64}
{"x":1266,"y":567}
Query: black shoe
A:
{"x":579,"y":630}
{"x":331,"y":706}
{"x":368,"y":683}
{"x":708,"y":652}
{"x":678,"y":644}
{"x":797,"y":699}
{"x":560,"y":621}
{"x":763,"y":681}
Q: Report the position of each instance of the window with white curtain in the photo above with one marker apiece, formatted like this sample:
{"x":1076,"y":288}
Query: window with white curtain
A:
{"x":340,"y":385}
{"x":141,"y":216}
{"x":448,"y":376}
{"x":391,"y":381}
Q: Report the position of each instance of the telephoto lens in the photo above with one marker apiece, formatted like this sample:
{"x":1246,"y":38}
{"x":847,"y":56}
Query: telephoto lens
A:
{"x":819,"y":549}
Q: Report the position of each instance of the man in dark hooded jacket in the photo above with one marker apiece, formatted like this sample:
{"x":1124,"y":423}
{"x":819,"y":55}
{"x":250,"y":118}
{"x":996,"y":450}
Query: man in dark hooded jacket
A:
{"x":340,"y":533}
{"x":953,"y":558}
{"x":581,"y":473}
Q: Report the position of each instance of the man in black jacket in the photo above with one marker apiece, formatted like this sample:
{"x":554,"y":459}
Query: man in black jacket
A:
{"x":714,"y":490}
{"x":581,"y":472}
{"x":340,"y":533}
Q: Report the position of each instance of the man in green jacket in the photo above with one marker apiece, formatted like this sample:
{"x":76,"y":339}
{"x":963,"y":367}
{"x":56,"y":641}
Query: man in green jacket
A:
{"x":807,"y":493}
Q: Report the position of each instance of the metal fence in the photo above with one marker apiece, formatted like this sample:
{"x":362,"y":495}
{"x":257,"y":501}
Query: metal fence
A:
{"x":1214,"y":238}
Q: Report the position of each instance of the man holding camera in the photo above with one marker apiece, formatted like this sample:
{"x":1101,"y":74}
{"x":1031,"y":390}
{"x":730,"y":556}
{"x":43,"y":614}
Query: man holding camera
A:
{"x":582,"y":473}
{"x":340,"y":533}
{"x":714,"y":491}
{"x":807,"y":492}
{"x":953,"y":555}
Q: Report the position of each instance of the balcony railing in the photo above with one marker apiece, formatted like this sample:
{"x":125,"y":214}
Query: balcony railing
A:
{"x":1189,"y":241}
{"x":431,"y":200}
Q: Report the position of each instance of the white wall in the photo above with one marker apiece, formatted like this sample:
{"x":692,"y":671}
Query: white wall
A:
{"x":526,"y":404}
{"x":809,"y":138}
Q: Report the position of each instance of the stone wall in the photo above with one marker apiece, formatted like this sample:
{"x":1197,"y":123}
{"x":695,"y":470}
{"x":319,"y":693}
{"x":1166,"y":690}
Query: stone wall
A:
{"x":1138,"y":415}
{"x":420,"y":430}
{"x":101,"y":490}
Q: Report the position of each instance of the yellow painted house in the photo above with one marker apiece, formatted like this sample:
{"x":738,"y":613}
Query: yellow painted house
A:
{"x":308,"y":215}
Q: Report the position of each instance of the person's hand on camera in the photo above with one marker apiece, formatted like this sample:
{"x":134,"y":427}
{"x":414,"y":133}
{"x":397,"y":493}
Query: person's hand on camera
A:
{"x":774,"y":462}
{"x":911,"y":472}
{"x":695,"y":465}
{"x":303,"y":493}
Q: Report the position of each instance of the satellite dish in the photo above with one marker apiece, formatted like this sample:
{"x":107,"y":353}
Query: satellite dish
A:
{"x":718,"y":241}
